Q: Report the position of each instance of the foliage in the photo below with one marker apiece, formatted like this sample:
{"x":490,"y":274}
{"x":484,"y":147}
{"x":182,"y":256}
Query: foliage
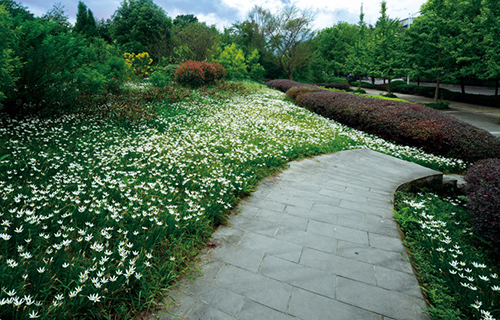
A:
{"x":195,"y":41}
{"x":142,"y":26}
{"x":138,"y":65}
{"x":339,"y":86}
{"x":160,"y":79}
{"x":233,"y":60}
{"x":483,"y":191}
{"x":59,"y":18}
{"x":255,"y":69}
{"x":197,"y":73}
{"x":8,"y":63}
{"x":85,"y":21}
{"x":442,"y":105}
{"x":284,"y":85}
{"x":459,"y":280}
{"x":403,"y":123}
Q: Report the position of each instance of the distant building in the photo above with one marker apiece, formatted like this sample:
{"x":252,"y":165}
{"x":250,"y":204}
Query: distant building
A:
{"x":406,"y":23}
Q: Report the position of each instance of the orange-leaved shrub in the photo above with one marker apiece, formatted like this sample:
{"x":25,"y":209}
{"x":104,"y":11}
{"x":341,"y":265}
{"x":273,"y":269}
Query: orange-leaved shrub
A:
{"x":196,"y":73}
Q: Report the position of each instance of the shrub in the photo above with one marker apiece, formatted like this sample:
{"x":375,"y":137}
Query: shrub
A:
{"x":284,"y":85}
{"x":233,"y":60}
{"x":159,"y":79}
{"x":256,"y":70}
{"x":483,"y":192}
{"x":139,"y":65}
{"x":401,"y":122}
{"x":442,"y":105}
{"x":190,"y":73}
{"x":340,"y":86}
{"x":197,"y":73}
{"x":294,"y":92}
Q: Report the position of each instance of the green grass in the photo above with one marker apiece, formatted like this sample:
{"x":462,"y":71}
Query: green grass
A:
{"x":458,"y":278}
{"x":100,"y":216}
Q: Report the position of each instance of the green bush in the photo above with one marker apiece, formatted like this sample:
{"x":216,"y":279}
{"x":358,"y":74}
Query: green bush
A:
{"x":255,"y":69}
{"x":159,"y":79}
{"x":442,"y":105}
{"x":233,"y":60}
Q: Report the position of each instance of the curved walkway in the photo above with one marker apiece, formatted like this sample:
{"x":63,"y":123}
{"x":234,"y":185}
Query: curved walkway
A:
{"x":316,"y":242}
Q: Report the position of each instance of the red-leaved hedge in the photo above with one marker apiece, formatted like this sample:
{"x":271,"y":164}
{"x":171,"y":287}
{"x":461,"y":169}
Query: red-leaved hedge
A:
{"x":403,"y":123}
{"x":197,"y":73}
{"x":483,"y":191}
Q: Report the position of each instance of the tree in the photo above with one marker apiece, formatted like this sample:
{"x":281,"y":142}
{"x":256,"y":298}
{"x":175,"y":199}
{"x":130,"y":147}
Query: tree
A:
{"x":8,"y":63}
{"x":256,"y":70}
{"x":289,"y":36}
{"x":58,"y":16}
{"x":233,"y":60}
{"x":196,"y":41}
{"x":386,"y":45}
{"x":139,"y":25}
{"x":183,"y":20}
{"x":85,"y":21}
{"x":359,"y":60}
{"x":489,"y":26}
{"x":428,"y":42}
{"x":17,"y":11}
{"x":333,"y":46}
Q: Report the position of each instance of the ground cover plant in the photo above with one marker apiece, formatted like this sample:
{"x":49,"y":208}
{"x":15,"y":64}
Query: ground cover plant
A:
{"x":99,"y":215}
{"x":403,"y":123}
{"x":458,"y":278}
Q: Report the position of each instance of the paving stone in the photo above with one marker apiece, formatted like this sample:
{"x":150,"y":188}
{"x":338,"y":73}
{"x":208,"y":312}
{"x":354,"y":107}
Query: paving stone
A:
{"x":239,"y":256}
{"x":300,"y":276}
{"x":398,"y":281}
{"x":258,"y":288}
{"x":379,"y":300}
{"x":383,"y":204}
{"x":255,"y":311}
{"x":246,"y":210}
{"x":227,"y":234}
{"x":203,"y":311}
{"x":264,"y":228}
{"x":306,"y":305}
{"x":308,"y":214}
{"x":365,"y":208}
{"x":307,"y":239}
{"x":382,"y":226}
{"x":378,"y":257}
{"x":386,"y":243}
{"x":222,"y":299}
{"x":326,"y":208}
{"x":177,"y":304}
{"x":271,"y":246}
{"x":338,"y":232}
{"x":290,"y":221}
{"x":267,"y":204}
{"x":338,"y":265}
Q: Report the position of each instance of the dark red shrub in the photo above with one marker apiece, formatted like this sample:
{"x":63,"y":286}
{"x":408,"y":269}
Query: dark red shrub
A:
{"x":483,"y":191}
{"x":403,"y":123}
{"x":213,"y":72}
{"x":190,"y":73}
{"x":197,"y":73}
{"x":283,"y":85}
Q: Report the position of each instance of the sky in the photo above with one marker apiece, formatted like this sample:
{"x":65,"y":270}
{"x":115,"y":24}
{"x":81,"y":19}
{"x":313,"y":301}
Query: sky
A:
{"x":223,"y":13}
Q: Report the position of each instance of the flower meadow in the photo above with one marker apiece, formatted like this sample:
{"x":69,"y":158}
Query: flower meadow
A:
{"x":459,"y":280}
{"x":98,"y":217}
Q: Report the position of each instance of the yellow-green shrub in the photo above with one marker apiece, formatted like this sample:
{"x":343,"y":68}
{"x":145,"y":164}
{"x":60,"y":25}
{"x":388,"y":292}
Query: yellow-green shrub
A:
{"x":138,"y":65}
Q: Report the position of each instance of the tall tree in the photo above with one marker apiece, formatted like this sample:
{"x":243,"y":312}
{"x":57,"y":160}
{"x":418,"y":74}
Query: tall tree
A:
{"x":359,"y":59}
{"x":139,"y":25}
{"x":489,"y":26}
{"x":386,"y":45}
{"x":196,"y":41}
{"x":85,"y":21}
{"x":8,"y":63}
{"x":289,"y":33}
{"x":429,"y":40}
{"x":58,"y":16}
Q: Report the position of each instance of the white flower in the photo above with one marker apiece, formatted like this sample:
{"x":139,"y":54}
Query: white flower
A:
{"x":34,"y":314}
{"x":94,"y":297}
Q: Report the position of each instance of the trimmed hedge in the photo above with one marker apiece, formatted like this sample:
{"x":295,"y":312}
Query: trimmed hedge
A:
{"x":283,"y":85}
{"x":197,"y":73}
{"x":403,"y":123}
{"x":483,"y":191}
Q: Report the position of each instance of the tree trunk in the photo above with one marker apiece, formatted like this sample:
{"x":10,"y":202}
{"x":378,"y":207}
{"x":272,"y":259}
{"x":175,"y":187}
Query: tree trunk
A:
{"x":436,"y":95}
{"x":359,"y":82}
{"x":373,"y":80}
{"x":462,"y":85}
{"x":418,"y":81}
{"x":496,"y":87}
{"x":389,"y":87}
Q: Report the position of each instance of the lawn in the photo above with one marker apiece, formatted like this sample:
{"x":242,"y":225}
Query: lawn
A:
{"x":99,"y":216}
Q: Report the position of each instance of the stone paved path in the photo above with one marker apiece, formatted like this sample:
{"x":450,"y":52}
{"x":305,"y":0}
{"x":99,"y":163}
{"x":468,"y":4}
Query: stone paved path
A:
{"x":316,"y":242}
